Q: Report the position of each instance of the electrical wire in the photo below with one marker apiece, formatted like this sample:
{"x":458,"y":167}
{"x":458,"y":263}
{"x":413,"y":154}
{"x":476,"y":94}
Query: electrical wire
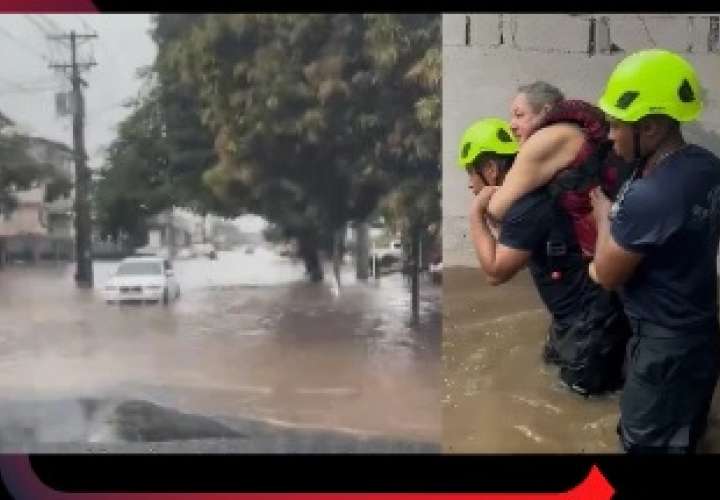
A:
{"x":22,"y":44}
{"x":49,"y":21}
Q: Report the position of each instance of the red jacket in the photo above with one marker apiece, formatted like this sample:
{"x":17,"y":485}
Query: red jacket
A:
{"x":577,"y":203}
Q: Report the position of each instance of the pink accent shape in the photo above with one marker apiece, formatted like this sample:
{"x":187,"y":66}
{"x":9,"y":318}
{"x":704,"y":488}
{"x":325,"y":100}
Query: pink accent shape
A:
{"x":47,"y":6}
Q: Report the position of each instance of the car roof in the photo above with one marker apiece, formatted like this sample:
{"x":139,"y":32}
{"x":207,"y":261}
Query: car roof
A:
{"x":142,"y":259}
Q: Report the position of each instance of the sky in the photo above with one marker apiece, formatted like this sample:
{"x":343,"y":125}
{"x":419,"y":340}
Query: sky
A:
{"x":28,"y":85}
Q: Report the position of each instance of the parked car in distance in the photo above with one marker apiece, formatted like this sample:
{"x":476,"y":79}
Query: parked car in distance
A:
{"x":142,"y":279}
{"x":206,"y":250}
{"x":185,"y":253}
{"x":285,"y":250}
{"x":388,"y":255}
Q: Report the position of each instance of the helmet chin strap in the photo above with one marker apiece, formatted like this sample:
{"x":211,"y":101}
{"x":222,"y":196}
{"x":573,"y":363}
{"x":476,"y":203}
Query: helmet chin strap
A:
{"x":637,"y":155}
{"x":638,"y":161}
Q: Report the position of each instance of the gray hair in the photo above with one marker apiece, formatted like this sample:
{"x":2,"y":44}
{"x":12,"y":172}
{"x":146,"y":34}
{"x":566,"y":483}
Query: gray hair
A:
{"x":540,"y":93}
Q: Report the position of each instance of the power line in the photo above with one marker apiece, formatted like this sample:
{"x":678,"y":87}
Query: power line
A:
{"x":28,"y":86}
{"x":20,"y":43}
{"x":28,"y":91}
{"x":42,"y":24}
{"x":43,"y":29}
{"x":30,"y":83}
{"x":86,"y":26}
{"x":105,"y":48}
{"x":50,"y":22}
{"x":55,"y":28}
{"x":22,"y":88}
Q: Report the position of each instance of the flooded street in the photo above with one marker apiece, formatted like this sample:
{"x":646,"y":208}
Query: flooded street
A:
{"x":249,"y":344}
{"x":499,"y":395}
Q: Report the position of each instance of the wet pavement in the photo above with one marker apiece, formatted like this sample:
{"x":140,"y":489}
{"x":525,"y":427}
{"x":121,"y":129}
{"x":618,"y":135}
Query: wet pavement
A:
{"x":133,"y":426}
{"x":250,"y":358}
{"x":499,"y":397}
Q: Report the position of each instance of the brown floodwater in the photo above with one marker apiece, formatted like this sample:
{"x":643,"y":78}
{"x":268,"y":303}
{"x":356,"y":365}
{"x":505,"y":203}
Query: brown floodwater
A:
{"x":249,"y":338}
{"x":499,"y":395}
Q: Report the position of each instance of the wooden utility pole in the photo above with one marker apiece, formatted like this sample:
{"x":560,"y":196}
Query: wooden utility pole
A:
{"x":83,"y":223}
{"x":362,"y":244}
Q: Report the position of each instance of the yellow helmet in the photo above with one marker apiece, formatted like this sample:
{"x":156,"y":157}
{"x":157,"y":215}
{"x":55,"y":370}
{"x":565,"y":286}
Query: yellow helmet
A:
{"x":652,"y":82}
{"x":491,"y":135}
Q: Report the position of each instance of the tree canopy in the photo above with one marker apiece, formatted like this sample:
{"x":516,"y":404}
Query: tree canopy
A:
{"x":310,"y":120}
{"x":19,"y":171}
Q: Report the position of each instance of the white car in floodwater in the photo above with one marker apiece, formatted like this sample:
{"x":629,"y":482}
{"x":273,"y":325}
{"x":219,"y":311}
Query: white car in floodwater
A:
{"x":142,"y":279}
{"x":385,"y":256}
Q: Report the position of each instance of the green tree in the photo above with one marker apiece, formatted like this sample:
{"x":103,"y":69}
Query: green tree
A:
{"x":133,"y":185}
{"x":161,"y":153}
{"x":408,"y":57}
{"x":314,"y":117}
{"x":412,"y":79}
{"x":20,"y":172}
{"x":308,"y":120}
{"x":189,"y":143}
{"x":156,"y":162}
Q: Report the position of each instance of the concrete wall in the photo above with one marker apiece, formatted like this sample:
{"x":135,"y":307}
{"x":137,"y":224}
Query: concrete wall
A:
{"x":480,"y":75}
{"x":32,"y":248}
{"x":27,"y":218}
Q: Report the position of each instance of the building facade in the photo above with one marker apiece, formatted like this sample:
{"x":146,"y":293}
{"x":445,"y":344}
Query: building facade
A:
{"x":487,"y":56}
{"x":37,"y":229}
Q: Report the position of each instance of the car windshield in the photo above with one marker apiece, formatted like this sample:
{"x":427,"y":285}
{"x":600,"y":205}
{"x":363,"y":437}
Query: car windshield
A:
{"x":139,"y":268}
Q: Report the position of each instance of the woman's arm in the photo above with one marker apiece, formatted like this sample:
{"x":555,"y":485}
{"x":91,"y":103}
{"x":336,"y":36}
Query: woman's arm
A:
{"x":541,"y":157}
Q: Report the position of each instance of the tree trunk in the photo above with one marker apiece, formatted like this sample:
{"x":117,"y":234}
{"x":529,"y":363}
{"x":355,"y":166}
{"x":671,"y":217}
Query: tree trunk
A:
{"x":171,"y":234}
{"x":308,"y":250}
{"x":415,"y":273}
{"x":3,"y":253}
{"x":338,"y":252}
{"x":362,"y":260}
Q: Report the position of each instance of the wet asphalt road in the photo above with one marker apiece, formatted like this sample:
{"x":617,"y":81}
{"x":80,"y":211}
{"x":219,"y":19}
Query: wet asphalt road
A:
{"x":250,"y":358}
